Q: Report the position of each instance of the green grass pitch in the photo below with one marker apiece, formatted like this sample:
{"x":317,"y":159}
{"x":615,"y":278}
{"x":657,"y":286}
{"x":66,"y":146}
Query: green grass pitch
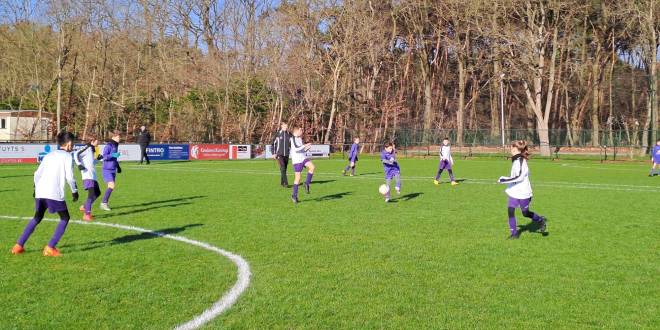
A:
{"x":435,"y":258}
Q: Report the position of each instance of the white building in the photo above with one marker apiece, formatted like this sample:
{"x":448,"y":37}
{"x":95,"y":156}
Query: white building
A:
{"x":24,"y":125}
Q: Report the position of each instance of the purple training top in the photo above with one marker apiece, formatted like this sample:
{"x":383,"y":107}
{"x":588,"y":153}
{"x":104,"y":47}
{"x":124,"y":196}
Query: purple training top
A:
{"x":390,"y":164}
{"x":353,"y":154}
{"x":656,"y":154}
{"x":110,"y":163}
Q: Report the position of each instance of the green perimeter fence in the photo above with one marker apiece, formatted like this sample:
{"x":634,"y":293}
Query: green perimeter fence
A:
{"x":579,"y":144}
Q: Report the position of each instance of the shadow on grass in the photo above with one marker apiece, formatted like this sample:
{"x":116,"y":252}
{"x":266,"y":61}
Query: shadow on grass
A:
{"x":132,"y":238}
{"x":16,"y":176}
{"x":532,"y":227}
{"x":322,"y":181}
{"x":146,"y":209}
{"x":165,"y":201}
{"x":7,"y":190}
{"x":410,"y":196}
{"x":369,"y":173}
{"x":331,"y":197}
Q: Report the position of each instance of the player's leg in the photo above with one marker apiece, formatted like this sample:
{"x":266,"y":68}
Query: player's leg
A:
{"x":296,"y":182}
{"x":280,"y":162}
{"x":346,"y":168}
{"x":51,"y":249}
{"x":388,"y":181}
{"x":353,"y":168}
{"x":106,"y":196}
{"x":512,"y":222}
{"x":40,"y":210}
{"x":436,"y":181}
{"x":310,"y":173}
{"x":451,"y":177}
{"x":527,"y":213}
{"x":397,"y":185}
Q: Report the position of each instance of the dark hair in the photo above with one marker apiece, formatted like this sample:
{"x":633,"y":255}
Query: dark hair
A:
{"x":445,"y":139}
{"x":64,"y":138}
{"x":522,"y":147}
{"x":115,"y":133}
{"x":388,"y":144}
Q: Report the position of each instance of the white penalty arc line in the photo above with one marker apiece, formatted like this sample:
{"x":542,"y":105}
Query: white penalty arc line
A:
{"x":220,"y":306}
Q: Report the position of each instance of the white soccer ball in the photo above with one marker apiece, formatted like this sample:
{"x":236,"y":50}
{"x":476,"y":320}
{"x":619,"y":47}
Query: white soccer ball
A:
{"x":383,"y":189}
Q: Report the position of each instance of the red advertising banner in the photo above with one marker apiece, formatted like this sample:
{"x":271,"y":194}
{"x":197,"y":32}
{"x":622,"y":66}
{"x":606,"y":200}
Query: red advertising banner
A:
{"x":209,"y":151}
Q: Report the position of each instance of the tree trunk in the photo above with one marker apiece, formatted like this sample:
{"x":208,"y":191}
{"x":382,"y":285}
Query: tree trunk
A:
{"x":461,"y":101}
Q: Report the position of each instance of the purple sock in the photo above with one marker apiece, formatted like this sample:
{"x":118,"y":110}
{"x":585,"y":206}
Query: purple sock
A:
{"x":106,"y":196}
{"x":451,"y":175}
{"x":295,"y":191}
{"x":347,"y":167}
{"x":29,"y":229}
{"x":59,"y":231}
{"x":512,"y":225}
{"x":437,"y":176}
{"x":309,"y":178}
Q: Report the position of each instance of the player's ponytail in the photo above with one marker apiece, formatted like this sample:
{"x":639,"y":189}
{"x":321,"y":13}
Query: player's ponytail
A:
{"x":522,"y":147}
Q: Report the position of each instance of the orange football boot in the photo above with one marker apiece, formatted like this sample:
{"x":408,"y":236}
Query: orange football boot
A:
{"x":51,"y":252}
{"x":17,"y":249}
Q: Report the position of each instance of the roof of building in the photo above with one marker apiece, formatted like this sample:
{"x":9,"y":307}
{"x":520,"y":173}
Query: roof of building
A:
{"x":25,"y":113}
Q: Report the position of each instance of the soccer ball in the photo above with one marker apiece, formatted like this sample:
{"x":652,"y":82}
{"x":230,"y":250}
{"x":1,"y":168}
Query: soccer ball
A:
{"x":383,"y":189}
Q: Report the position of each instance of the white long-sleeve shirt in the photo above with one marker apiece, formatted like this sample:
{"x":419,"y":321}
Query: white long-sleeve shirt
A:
{"x":298,"y":153}
{"x":445,"y":154}
{"x":85,"y":157}
{"x":518,"y":185}
{"x":55,"y":170}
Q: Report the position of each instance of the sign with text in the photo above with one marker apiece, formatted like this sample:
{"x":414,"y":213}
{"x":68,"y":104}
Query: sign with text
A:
{"x":168,"y":152}
{"x":240,"y":151}
{"x":24,"y":153}
{"x":209,"y":151}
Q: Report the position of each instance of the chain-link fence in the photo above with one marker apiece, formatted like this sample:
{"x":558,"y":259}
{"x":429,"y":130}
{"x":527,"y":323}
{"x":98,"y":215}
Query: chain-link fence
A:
{"x":603,"y":144}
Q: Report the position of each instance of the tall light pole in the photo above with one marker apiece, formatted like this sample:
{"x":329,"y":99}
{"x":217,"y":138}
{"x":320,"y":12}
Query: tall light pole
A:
{"x":502,"y":108}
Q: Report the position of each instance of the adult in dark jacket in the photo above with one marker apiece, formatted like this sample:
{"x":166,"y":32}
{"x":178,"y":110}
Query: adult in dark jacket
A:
{"x":281,"y":149}
{"x":143,"y":139}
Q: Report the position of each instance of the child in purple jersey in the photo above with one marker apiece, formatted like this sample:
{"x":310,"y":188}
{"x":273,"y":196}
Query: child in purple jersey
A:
{"x":55,"y":169}
{"x":391,"y":168}
{"x":655,"y":159}
{"x":519,"y":189}
{"x":300,"y":161}
{"x":110,"y":167}
{"x":446,"y":163}
{"x":353,"y":157}
{"x":86,"y":161}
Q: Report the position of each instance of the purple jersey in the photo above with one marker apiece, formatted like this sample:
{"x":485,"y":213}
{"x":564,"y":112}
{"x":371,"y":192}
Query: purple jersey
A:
{"x":390,"y":165}
{"x":656,"y":154}
{"x":353,"y":154}
{"x":110,"y":162}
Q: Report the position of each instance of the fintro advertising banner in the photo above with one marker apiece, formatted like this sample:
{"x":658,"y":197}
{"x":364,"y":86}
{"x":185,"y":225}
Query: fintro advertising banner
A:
{"x":168,"y":152}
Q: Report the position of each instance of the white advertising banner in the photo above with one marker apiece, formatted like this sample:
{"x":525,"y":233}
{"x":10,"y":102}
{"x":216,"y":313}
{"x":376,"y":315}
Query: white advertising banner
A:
{"x":319,"y":151}
{"x":24,"y":153}
{"x":240,"y":151}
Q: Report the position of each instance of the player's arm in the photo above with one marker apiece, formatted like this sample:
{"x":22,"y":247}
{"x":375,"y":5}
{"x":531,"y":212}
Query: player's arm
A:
{"x":71,"y":180}
{"x":78,"y":158}
{"x":517,"y":168}
{"x":297,"y":148}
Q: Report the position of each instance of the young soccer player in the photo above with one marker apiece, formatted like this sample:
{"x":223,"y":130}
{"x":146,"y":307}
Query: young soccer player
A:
{"x":655,"y":159}
{"x":85,"y":160}
{"x":353,"y":157}
{"x":110,"y":167}
{"x":391,"y":167}
{"x":55,"y":169}
{"x":299,"y":160}
{"x":519,"y":189}
{"x":446,"y":162}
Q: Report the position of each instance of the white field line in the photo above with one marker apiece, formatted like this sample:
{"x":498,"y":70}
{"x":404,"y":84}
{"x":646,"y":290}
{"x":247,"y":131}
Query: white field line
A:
{"x":226,"y":301}
{"x":553,"y":184}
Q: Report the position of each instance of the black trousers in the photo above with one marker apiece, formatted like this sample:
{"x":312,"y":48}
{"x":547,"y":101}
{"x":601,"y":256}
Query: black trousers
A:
{"x":284,"y":163}
{"x":143,"y":154}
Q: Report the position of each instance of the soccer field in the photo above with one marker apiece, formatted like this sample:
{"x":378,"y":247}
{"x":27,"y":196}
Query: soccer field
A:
{"x":436,"y":257}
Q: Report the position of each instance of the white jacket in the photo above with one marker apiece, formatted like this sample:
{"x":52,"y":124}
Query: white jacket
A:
{"x":55,"y":169}
{"x":85,"y":157}
{"x":518,"y":185}
{"x":445,"y":154}
{"x":298,"y":153}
